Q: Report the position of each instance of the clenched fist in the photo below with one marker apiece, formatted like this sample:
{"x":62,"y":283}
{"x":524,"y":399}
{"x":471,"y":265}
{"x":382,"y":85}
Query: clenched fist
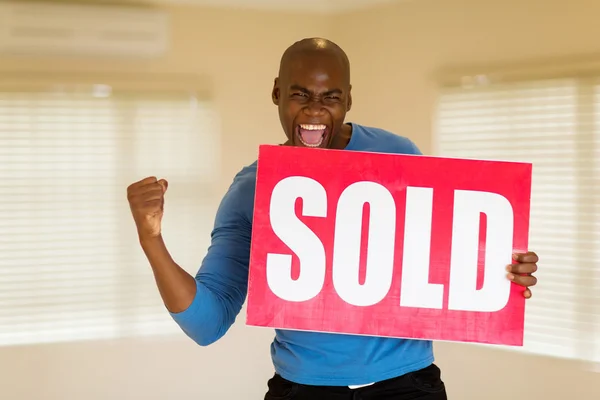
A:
{"x":146,"y":200}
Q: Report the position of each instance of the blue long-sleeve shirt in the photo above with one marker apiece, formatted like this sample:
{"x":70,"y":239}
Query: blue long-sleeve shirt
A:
{"x":304,"y":357}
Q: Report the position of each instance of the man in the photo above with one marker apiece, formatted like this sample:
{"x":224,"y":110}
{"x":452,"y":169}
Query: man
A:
{"x":312,"y":93}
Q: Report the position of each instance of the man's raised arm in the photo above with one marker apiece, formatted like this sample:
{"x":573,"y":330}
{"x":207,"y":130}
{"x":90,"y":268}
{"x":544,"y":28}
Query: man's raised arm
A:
{"x":204,"y":306}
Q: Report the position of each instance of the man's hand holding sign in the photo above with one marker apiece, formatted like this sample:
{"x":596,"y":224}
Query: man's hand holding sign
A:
{"x":397,"y":246}
{"x":521,"y":269}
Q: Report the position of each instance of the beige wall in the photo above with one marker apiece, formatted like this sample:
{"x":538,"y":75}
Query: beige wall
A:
{"x":235,"y":53}
{"x":394,"y":52}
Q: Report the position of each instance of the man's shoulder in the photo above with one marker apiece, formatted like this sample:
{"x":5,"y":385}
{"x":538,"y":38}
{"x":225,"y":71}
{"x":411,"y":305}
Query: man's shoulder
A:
{"x":239,"y":198}
{"x":382,"y":140}
{"x":243,"y":185}
{"x":247,"y":175}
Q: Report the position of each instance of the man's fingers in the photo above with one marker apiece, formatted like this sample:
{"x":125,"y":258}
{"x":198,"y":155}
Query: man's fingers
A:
{"x":525,"y":268}
{"x":152,"y":205}
{"x":523,"y":280}
{"x":149,"y":193}
{"x":147,"y":184}
{"x":139,"y":199}
{"x":163,"y":184}
{"x":527,"y":294}
{"x":150,"y":179}
{"x":529,"y":257}
{"x":143,"y":182}
{"x":141,"y":190}
{"x":146,"y":201}
{"x":155,"y":194}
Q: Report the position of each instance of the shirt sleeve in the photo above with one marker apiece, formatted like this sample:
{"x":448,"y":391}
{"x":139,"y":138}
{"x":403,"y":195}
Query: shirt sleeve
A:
{"x":222,"y":279}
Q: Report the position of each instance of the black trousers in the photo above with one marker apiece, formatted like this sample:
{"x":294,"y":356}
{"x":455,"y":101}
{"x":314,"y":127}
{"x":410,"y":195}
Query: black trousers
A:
{"x":425,"y":384}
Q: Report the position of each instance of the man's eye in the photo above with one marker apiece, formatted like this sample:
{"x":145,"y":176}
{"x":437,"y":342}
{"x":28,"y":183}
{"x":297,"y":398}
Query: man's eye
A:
{"x":299,"y":94}
{"x":335,"y":98}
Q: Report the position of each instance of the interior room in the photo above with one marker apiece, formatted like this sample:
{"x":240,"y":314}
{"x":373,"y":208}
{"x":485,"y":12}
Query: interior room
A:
{"x":185,"y":93}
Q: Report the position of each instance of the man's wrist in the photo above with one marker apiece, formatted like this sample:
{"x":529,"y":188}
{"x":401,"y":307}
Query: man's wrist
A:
{"x":150,"y":241}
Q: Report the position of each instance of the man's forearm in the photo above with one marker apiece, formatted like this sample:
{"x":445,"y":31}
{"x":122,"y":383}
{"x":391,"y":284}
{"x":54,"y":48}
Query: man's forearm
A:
{"x":176,"y":286}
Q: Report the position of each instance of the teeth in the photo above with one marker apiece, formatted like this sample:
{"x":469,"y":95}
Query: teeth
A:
{"x":313,"y":127}
{"x":311,"y":144}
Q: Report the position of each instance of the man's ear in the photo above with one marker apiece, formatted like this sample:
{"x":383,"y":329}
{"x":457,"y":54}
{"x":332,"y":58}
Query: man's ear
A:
{"x":349,"y":106}
{"x":276,"y":92}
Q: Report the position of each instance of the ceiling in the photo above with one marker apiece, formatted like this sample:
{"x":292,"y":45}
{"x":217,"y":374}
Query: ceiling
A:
{"x":320,"y":6}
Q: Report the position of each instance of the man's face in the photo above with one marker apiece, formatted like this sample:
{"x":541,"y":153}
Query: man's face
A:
{"x":313,"y":96}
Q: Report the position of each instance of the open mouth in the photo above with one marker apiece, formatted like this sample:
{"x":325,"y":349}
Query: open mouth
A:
{"x":311,"y":135}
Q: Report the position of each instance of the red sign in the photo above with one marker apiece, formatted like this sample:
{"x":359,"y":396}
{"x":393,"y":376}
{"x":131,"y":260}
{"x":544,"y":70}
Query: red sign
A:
{"x":388,"y":245}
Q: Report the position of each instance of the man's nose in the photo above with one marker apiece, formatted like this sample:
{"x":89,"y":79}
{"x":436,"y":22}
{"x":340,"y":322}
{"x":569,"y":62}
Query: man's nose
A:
{"x":315,"y":107}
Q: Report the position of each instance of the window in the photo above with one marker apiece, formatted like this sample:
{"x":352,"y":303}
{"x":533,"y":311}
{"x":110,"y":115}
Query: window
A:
{"x":71,"y":266}
{"x":555,"y":124}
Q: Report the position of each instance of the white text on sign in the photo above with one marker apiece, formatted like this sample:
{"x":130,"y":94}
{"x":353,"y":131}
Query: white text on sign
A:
{"x":416,"y":291}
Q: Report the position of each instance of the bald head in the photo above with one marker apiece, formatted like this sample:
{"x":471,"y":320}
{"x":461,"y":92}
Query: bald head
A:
{"x":314,"y":47}
{"x":312,"y":92}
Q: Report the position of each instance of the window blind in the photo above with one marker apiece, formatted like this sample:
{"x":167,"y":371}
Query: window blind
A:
{"x":554,"y":124}
{"x":71,"y":266}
